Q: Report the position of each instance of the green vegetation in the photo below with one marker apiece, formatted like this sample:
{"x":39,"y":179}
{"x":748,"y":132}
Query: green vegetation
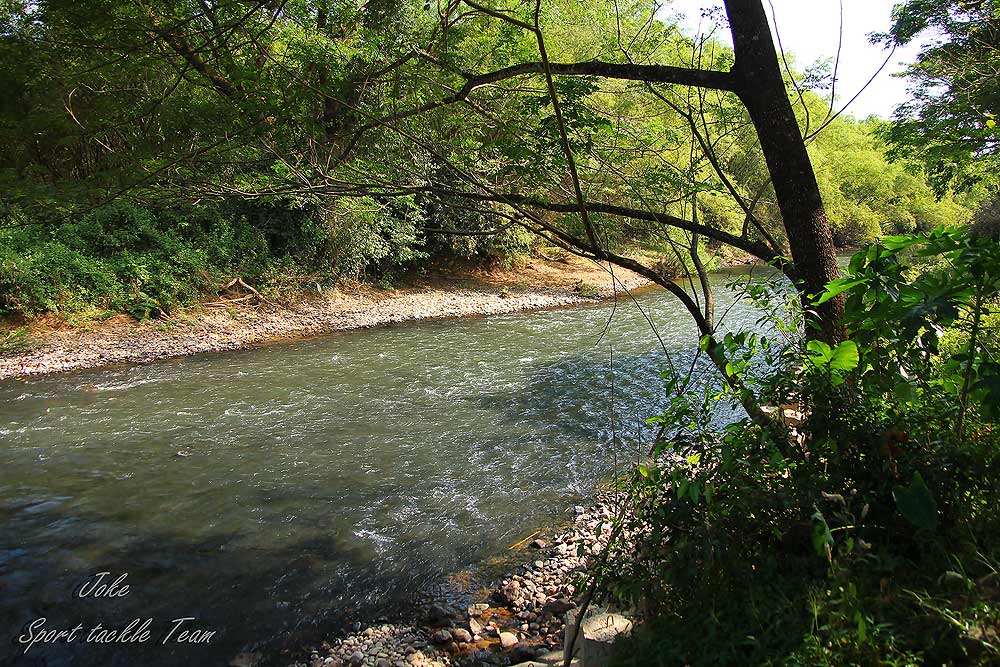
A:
{"x":867,"y":196}
{"x":867,"y":535}
{"x":152,"y":152}
{"x":282,"y":145}
{"x":952,"y":124}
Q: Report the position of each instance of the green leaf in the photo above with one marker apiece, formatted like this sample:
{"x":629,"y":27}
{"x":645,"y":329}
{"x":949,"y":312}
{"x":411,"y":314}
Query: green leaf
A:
{"x":900,"y":242}
{"x":819,"y":352}
{"x":821,"y":534}
{"x":837,"y":287}
{"x":845,"y":357}
{"x":916,"y":503}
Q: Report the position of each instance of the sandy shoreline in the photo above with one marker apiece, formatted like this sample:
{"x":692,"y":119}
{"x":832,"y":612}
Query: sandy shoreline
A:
{"x":250,"y":322}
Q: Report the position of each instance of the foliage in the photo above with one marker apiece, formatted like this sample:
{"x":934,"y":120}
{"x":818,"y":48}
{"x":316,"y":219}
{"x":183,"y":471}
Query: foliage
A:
{"x":270,"y":116}
{"x":866,"y":536}
{"x":866,"y":195}
{"x":951,"y":124}
{"x":15,"y":340}
{"x":128,"y":258}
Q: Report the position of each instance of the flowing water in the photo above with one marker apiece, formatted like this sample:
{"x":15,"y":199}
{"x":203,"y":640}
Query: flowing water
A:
{"x":272,"y":492}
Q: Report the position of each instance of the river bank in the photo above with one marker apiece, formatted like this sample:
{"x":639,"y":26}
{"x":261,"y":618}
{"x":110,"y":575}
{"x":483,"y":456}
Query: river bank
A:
{"x":241,"y":318}
{"x":522,"y":620}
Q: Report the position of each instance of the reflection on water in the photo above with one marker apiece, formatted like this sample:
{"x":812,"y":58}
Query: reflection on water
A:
{"x":274,"y":491}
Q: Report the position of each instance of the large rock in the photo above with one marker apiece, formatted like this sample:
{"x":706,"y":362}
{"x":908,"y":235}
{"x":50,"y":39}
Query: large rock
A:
{"x":520,"y":652}
{"x":507,"y":640}
{"x":437,"y":614}
{"x":598,"y":634}
{"x":441,"y":637}
{"x":461,"y":635}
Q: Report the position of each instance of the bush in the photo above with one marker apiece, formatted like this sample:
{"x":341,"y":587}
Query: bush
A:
{"x":867,"y":534}
{"x":127,"y":258}
{"x":124,"y":257}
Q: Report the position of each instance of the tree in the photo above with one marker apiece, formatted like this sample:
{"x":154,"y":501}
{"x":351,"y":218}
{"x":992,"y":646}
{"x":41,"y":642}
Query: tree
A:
{"x":322,"y":106}
{"x":952,"y":123}
{"x":756,"y":78}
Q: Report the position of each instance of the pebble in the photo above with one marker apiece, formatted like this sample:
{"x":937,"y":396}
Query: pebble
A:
{"x":125,"y":341}
{"x":441,"y":637}
{"x":537,"y":597}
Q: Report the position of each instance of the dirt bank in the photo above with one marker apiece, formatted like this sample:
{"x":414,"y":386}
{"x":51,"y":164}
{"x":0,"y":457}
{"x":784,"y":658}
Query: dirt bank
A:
{"x":241,"y":319}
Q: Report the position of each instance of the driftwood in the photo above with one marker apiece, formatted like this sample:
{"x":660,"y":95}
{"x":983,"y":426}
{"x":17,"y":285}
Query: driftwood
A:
{"x":222,"y":303}
{"x":524,"y":541}
{"x":238,"y":282}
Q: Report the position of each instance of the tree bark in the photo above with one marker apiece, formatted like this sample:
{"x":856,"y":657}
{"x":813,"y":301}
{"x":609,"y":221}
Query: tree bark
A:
{"x":762,"y":89}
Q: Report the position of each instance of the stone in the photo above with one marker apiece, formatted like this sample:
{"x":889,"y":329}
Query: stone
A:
{"x":597,"y":638}
{"x":507,"y":640}
{"x":441,"y":637}
{"x":475,"y":626}
{"x":357,"y":658}
{"x":382,"y":662}
{"x":478,"y":609}
{"x":461,"y":635}
{"x":539,"y":544}
{"x":509,"y":592}
{"x":437,"y":614}
{"x":520,"y":652}
{"x":557,"y":607}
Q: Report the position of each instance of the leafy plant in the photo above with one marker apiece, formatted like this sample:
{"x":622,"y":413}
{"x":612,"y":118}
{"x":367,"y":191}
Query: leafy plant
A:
{"x":832,"y":547}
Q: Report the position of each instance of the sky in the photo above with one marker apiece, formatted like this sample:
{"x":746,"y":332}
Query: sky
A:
{"x":810,"y":30}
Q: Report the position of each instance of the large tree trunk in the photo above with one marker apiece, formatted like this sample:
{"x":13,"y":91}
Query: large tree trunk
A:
{"x":762,"y":89}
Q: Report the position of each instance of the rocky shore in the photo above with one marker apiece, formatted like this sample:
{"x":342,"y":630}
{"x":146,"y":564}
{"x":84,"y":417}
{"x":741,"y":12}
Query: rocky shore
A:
{"x":522,"y":621}
{"x":236,"y":322}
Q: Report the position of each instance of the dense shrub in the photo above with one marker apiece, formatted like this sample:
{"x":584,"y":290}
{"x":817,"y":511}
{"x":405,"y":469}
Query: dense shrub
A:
{"x":125,"y":257}
{"x":129,"y":258}
{"x":868,"y":534}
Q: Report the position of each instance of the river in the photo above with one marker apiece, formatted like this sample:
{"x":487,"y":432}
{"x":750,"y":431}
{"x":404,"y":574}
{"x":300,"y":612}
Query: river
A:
{"x":281,"y":492}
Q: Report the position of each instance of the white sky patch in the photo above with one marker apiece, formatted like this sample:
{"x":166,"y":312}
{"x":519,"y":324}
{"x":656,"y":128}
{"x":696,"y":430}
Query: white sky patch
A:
{"x":810,"y":30}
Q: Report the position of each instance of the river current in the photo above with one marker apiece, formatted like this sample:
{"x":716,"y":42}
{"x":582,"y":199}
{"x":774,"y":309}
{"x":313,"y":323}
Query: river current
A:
{"x":281,"y":492}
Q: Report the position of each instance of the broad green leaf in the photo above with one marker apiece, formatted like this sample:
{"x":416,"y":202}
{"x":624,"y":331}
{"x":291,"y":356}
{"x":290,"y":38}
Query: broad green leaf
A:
{"x":845,"y":357}
{"x":916,"y":503}
{"x":821,"y":534}
{"x":837,"y":287}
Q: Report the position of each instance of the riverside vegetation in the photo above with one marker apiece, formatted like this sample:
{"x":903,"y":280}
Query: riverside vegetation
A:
{"x":154,"y":151}
{"x":121,"y":193}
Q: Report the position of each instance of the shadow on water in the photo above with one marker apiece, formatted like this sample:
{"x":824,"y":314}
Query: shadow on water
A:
{"x":171,"y":578}
{"x":278,"y":494}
